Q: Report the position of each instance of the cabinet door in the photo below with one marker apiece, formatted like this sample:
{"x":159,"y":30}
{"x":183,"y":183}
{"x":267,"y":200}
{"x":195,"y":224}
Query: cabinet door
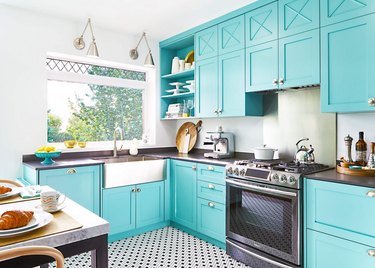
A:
{"x":299,"y":63}
{"x":297,"y":16}
{"x":149,"y":203}
{"x":325,"y":251}
{"x":206,"y":44}
{"x":206,"y":88}
{"x":81,"y":184}
{"x":232,"y":84}
{"x":342,"y":210}
{"x":211,"y":219}
{"x":119,"y":208}
{"x":333,"y":11}
{"x":348,"y":57}
{"x":184,"y":190}
{"x":261,"y":25}
{"x":262,"y":67}
{"x":231,"y":35}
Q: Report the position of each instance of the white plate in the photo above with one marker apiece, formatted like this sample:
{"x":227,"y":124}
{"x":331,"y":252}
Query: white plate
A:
{"x":52,"y":211}
{"x":15,"y":190}
{"x":190,"y":82}
{"x":33,"y":222}
{"x":42,"y":218}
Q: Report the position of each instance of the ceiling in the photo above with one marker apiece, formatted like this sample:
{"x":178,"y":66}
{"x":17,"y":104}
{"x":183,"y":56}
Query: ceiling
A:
{"x":160,"y":19}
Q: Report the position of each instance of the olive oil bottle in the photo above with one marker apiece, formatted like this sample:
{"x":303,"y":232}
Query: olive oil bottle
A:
{"x":361,"y":150}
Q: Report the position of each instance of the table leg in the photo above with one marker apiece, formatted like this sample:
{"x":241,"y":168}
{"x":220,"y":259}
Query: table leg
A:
{"x":44,"y":265}
{"x":99,"y":256}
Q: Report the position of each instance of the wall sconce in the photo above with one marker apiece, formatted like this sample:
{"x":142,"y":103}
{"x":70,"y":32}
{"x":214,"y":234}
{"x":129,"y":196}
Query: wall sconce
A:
{"x":149,"y":62}
{"x":80,"y":44}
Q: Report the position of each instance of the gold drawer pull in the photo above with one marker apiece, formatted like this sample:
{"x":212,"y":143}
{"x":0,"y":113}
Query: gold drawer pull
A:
{"x":371,"y":193}
{"x":194,"y":168}
{"x":211,"y":204}
{"x":371,"y":101}
{"x":211,"y":168}
{"x":71,"y":171}
{"x":211,"y":186}
{"x":371,"y":252}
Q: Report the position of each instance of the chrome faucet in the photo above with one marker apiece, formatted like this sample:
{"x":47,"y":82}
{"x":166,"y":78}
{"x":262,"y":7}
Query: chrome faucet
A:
{"x":115,"y":150}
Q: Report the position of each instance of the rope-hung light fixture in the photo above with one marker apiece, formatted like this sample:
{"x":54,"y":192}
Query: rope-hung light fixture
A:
{"x":149,"y":61}
{"x":79,"y":43}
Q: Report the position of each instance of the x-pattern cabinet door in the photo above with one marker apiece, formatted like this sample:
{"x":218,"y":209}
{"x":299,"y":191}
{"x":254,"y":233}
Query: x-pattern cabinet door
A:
{"x":206,"y":44}
{"x":333,"y":11}
{"x":296,"y":16}
{"x":261,"y":25}
{"x":231,"y":35}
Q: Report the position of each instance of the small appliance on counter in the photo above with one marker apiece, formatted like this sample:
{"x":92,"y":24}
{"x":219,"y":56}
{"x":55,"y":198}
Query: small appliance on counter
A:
{"x":222,"y":144}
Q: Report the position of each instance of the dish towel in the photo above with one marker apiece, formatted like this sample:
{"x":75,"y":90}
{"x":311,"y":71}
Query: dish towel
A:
{"x":30,"y":191}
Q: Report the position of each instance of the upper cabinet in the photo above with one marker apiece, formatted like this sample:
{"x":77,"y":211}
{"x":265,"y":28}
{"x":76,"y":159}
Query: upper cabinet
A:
{"x":333,"y":11}
{"x":348,"y":57}
{"x":261,"y":25}
{"x":231,"y":35}
{"x":206,"y":44}
{"x":296,"y":16}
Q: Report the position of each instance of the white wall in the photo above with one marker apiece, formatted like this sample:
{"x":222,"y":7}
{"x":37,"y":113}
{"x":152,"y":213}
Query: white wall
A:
{"x":351,"y":124}
{"x":25,"y":39}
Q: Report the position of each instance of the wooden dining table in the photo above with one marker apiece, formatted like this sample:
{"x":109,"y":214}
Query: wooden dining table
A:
{"x":73,"y":230}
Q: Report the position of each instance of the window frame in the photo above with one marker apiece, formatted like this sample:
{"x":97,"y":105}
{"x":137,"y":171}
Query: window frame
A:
{"x":148,"y":95}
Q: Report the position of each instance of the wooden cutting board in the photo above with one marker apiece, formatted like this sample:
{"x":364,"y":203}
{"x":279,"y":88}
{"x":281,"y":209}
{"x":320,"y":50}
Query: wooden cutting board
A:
{"x":193,"y":130}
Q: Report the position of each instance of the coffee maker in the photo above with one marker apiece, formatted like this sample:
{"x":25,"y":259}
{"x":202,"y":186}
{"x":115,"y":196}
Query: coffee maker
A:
{"x":222,"y":144}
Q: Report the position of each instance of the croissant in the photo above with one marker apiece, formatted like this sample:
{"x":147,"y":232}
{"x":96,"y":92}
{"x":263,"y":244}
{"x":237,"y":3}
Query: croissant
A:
{"x":15,"y":219}
{"x":4,"y":189}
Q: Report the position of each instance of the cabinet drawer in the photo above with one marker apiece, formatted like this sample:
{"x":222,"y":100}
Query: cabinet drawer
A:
{"x":211,"y":219}
{"x":211,"y":173}
{"x":341,"y":210}
{"x":211,"y":191}
{"x":325,"y":251}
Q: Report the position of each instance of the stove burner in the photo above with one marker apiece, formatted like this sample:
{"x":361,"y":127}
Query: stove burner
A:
{"x":303,"y":168}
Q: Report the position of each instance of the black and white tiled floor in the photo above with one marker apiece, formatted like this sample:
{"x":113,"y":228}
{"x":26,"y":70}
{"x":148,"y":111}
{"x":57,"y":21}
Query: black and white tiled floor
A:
{"x":167,"y":247}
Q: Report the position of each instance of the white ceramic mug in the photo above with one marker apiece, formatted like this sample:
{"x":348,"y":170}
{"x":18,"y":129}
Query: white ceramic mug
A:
{"x":51,"y":200}
{"x":187,"y":65}
{"x":181,"y":65}
{"x":175,"y":65}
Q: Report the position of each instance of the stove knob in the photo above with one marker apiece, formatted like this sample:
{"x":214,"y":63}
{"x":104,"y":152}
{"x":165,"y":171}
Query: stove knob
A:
{"x":230,"y":170}
{"x":236,"y":171}
{"x":292,"y":180}
{"x":274,"y":177}
{"x":242,"y":172}
{"x":283,"y":179}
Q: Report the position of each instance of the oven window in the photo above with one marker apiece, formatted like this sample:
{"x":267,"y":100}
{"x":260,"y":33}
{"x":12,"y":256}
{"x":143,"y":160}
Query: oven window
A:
{"x":264,"y":219}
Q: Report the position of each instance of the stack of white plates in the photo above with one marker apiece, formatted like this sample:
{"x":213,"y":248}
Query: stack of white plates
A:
{"x":190,"y":85}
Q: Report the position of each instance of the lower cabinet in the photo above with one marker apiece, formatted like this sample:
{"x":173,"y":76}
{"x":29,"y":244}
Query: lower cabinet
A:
{"x":81,"y":184}
{"x":326,"y":251}
{"x":135,"y":206}
{"x":198,"y":198}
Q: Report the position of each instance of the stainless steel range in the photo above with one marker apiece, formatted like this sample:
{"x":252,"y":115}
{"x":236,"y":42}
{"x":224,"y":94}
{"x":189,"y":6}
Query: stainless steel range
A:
{"x":264,"y":212}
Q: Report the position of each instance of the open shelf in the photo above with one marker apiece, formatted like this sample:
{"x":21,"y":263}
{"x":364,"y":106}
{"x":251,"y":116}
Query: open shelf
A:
{"x":177,"y":118}
{"x":180,"y":95}
{"x":179,"y":75}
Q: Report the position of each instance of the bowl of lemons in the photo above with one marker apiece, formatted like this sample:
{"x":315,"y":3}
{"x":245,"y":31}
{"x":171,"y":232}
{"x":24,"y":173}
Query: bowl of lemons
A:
{"x":47,"y":152}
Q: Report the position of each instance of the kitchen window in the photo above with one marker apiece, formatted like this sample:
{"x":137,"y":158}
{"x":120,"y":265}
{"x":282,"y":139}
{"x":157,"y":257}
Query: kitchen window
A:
{"x":88,"y":99}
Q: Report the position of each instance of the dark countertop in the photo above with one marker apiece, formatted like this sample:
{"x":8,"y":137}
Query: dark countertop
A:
{"x":86,"y":158}
{"x":333,"y":176}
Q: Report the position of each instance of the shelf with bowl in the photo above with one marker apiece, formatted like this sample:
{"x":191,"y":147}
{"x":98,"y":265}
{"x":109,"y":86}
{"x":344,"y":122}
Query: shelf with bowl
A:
{"x":47,"y":157}
{"x":183,"y":74}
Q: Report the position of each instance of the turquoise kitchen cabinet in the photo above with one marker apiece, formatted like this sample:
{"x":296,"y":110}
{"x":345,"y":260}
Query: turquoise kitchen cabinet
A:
{"x":132,"y":207}
{"x":81,"y":184}
{"x":231,"y":35}
{"x":149,"y":204}
{"x":211,"y":219}
{"x":261,"y":25}
{"x":289,"y":62}
{"x":211,"y":173}
{"x":326,"y":251}
{"x":299,"y":60}
{"x":206,"y":45}
{"x":206,"y":75}
{"x":262,"y":67}
{"x":333,"y":11}
{"x":118,"y":206}
{"x":297,"y":16}
{"x":347,"y":60}
{"x":183,"y":193}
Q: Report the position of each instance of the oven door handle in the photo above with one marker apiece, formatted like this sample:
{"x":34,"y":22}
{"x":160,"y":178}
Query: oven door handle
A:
{"x":260,"y":189}
{"x":258,"y":256}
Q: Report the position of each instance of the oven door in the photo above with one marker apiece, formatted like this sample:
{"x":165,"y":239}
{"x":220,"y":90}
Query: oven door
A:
{"x":265,"y":217}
